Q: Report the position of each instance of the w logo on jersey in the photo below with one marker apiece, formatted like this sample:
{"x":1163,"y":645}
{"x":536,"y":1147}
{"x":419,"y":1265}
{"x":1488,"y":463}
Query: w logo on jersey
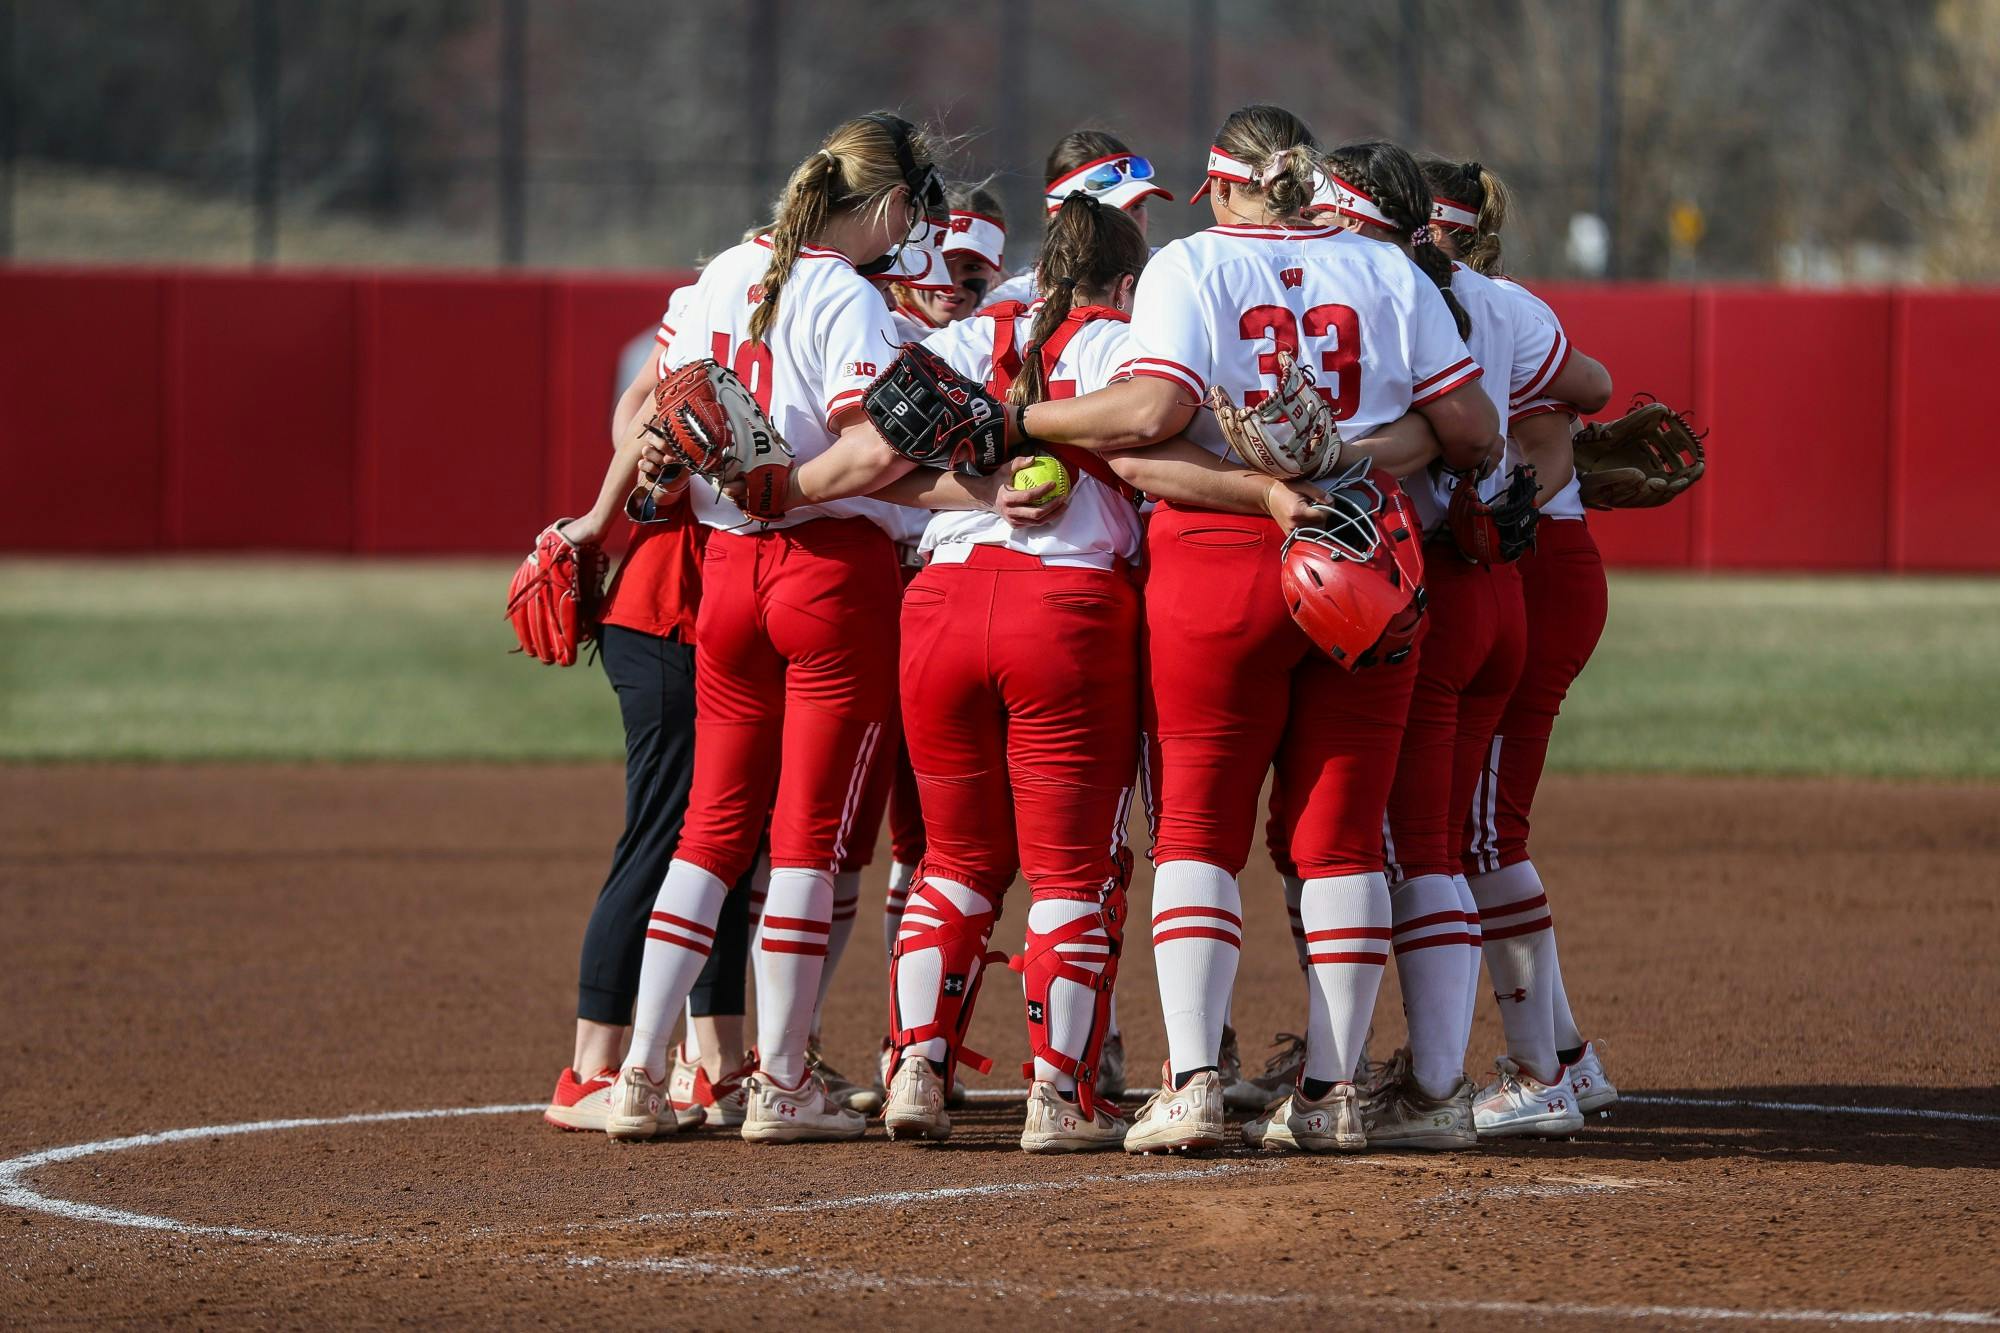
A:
{"x":1292,"y":277}
{"x":755,"y":296}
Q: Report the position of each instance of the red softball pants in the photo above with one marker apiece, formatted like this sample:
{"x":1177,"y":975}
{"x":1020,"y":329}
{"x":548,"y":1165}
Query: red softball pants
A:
{"x":1020,"y":706}
{"x":1235,"y":688}
{"x":795,"y":660}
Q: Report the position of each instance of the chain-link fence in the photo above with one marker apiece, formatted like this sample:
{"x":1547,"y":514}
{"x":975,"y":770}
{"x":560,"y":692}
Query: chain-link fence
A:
{"x":1673,"y":138}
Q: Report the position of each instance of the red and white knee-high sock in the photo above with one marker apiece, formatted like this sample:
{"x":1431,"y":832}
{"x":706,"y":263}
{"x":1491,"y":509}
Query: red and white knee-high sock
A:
{"x":920,"y":972}
{"x":1430,"y":940}
{"x":1474,"y":955}
{"x":690,"y":1039}
{"x":846,"y":903}
{"x":1347,"y":935}
{"x":901,"y":875}
{"x":790,"y":955}
{"x":1569,"y":1037}
{"x":1520,"y":946}
{"x":1294,"y":889}
{"x":1071,"y":1008}
{"x":1197,"y":940}
{"x":679,"y":935}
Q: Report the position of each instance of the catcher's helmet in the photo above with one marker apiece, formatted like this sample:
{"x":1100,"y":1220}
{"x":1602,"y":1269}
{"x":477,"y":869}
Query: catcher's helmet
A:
{"x":1355,"y":583}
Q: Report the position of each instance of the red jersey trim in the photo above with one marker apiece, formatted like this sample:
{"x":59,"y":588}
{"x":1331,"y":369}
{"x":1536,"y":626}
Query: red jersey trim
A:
{"x":1274,"y":233}
{"x":841,"y":402}
{"x":1458,"y":383}
{"x":1552,"y":366}
{"x":810,"y":251}
{"x":1543,"y":408}
{"x":1429,"y":380}
{"x":1160,"y":368}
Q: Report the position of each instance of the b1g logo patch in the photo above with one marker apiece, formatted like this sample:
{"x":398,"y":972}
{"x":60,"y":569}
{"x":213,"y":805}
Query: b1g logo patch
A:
{"x":860,"y":369}
{"x":1034,"y":1011}
{"x":954,"y":984}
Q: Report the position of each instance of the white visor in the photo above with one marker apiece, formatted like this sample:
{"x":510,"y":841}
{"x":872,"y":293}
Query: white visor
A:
{"x":1450,"y":213}
{"x":919,"y":265}
{"x":1346,"y":200}
{"x":976,"y":234}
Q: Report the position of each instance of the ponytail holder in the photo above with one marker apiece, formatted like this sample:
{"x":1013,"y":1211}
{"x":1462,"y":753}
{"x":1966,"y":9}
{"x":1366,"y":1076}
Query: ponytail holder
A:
{"x":1424,"y":235}
{"x":1068,"y":284}
{"x":1273,"y":169}
{"x":831,"y":160}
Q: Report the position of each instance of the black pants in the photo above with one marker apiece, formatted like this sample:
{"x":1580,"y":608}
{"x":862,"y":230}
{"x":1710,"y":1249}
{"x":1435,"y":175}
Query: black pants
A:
{"x":654,"y":678}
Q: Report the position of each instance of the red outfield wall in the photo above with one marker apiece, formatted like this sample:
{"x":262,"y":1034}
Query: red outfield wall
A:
{"x":170,"y":410}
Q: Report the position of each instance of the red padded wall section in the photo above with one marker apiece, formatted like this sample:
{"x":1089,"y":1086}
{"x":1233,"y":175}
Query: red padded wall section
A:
{"x":1644,"y":335}
{"x":81,"y":388}
{"x":1946,"y":470}
{"x":1796,"y":387}
{"x":261,"y":437}
{"x":453,"y":415}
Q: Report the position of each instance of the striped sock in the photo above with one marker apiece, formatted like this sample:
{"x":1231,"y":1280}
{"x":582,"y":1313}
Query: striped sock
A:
{"x":679,"y":935}
{"x":1474,"y":955}
{"x":1347,"y":941}
{"x":1197,"y":939}
{"x":791,"y":955}
{"x":846,"y":902}
{"x":1520,"y":947}
{"x":1430,"y":939}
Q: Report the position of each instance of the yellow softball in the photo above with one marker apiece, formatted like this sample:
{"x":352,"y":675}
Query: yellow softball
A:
{"x":1044,"y":469}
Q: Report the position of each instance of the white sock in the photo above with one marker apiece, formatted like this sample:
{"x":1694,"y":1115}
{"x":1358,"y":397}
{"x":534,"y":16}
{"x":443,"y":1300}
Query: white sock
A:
{"x":1111,"y":1028}
{"x":1474,"y":955}
{"x":690,"y":1042}
{"x":901,"y":875}
{"x":1520,"y":948}
{"x":679,"y":936}
{"x":1071,"y":1008}
{"x":1347,"y":939}
{"x":790,"y":955}
{"x":1430,"y":939}
{"x":846,"y":902}
{"x":920,"y":973}
{"x":1197,"y":939}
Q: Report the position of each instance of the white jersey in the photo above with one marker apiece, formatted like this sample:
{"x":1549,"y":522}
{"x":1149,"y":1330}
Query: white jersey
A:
{"x":1521,"y":354}
{"x":677,"y":304}
{"x":1568,"y":502}
{"x":832,"y":334}
{"x":1216,"y":307}
{"x":1020,"y":287}
{"x":1098,"y":523}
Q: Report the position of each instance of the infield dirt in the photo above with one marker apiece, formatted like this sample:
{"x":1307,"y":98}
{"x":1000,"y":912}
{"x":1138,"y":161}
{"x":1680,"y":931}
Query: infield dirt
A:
{"x":204,"y":946}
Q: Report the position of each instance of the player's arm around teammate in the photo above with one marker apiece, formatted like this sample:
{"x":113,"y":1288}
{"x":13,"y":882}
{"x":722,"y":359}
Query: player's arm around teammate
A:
{"x":797,"y":630}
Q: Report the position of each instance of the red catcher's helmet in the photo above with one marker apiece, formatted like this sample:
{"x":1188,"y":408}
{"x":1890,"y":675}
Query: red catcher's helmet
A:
{"x":1355,"y":584}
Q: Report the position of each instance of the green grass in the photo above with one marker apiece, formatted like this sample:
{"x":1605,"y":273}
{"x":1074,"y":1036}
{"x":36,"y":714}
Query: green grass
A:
{"x":362,"y":660}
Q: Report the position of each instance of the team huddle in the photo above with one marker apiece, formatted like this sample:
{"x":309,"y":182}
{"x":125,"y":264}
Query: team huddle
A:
{"x":1298,"y":498}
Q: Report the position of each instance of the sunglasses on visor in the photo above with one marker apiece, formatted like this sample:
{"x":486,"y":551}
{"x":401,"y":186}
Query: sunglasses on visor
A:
{"x":1107,"y":175}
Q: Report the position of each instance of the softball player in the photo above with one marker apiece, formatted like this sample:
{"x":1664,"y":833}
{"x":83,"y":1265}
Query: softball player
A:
{"x":1234,"y":685}
{"x":1563,"y":595}
{"x":797,"y":630}
{"x":1020,"y":682}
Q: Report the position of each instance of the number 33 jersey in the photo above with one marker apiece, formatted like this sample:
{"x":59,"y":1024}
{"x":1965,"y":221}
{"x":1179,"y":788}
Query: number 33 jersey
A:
{"x":1215,"y":308}
{"x":832,"y":334}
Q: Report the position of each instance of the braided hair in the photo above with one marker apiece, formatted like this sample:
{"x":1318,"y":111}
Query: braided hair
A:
{"x":1392,"y":178}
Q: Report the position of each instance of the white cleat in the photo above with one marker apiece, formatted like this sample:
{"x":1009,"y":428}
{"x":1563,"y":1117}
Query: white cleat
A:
{"x":915,"y":1109}
{"x":774,"y":1113}
{"x":1057,"y":1124}
{"x":1516,"y":1103}
{"x":638,"y":1107}
{"x":1594,"y":1089}
{"x":865,"y":1098}
{"x":1399,"y":1114}
{"x":1183,"y":1120}
{"x":1331,"y":1124}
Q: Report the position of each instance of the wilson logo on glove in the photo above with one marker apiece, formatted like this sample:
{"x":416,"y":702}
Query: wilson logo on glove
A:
{"x":932,"y":415}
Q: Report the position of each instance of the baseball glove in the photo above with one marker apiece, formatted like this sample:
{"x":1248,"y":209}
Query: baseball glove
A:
{"x":710,"y":424}
{"x":1290,"y":433}
{"x":1492,"y":533}
{"x":931,"y":414}
{"x":555,"y":596}
{"x":1640,"y":461}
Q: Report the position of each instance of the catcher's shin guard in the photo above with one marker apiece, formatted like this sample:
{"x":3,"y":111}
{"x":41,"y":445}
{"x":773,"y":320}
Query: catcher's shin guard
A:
{"x":1041,"y":965}
{"x":932,"y":921}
